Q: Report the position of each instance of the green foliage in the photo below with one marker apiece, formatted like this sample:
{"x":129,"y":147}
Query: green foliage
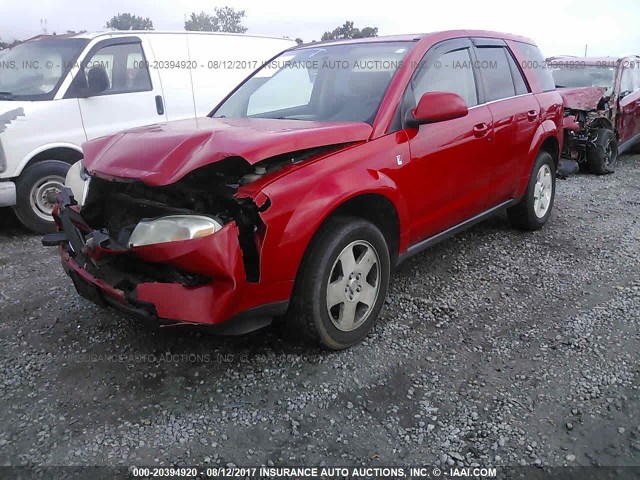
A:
{"x":4,"y":45}
{"x":225,"y":19}
{"x":126,"y":21}
{"x":201,"y":22}
{"x":349,"y":31}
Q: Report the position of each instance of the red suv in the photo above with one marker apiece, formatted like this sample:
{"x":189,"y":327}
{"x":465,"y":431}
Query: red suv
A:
{"x":602,"y":108}
{"x":298,"y":194}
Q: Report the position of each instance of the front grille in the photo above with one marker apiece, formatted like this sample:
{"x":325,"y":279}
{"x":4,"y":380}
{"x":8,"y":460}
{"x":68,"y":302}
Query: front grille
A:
{"x":133,"y":271}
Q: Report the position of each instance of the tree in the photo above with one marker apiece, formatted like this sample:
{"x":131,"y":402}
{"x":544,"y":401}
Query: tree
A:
{"x":299,"y":41}
{"x":4,"y":45}
{"x":349,"y":31}
{"x":225,"y":19}
{"x":202,"y":22}
{"x":367,"y":32}
{"x":230,"y":20}
{"x":126,"y":21}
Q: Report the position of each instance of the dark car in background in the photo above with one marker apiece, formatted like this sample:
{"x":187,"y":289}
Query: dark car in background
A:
{"x":602,"y":108}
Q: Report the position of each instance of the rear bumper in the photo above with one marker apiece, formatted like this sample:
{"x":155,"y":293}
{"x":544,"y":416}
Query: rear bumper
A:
{"x":219,"y":297}
{"x":7,"y":194}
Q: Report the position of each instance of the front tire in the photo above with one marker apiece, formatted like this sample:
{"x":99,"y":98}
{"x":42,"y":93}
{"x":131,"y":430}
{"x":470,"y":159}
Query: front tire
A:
{"x":534,"y":209}
{"x":342,"y":284}
{"x":36,"y":191}
{"x":602,"y":156}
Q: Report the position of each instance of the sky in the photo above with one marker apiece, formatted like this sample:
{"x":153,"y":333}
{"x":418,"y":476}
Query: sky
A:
{"x":559,"y":27}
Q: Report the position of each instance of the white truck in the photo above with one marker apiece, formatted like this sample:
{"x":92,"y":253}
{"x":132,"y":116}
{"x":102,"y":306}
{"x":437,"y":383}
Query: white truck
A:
{"x":56,"y":92}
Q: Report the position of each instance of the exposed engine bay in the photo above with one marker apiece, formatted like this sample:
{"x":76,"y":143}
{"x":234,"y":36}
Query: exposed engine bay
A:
{"x":590,"y":140}
{"x":115,"y":208}
{"x":119,"y":206}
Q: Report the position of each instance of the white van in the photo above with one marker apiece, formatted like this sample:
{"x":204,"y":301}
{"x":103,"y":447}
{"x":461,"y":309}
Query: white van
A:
{"x":57,"y":92}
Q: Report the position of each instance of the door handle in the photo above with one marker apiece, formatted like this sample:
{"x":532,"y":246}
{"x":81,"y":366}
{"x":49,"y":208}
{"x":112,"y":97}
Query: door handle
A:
{"x":532,"y":115}
{"x":480,"y":130}
{"x":159,"y":105}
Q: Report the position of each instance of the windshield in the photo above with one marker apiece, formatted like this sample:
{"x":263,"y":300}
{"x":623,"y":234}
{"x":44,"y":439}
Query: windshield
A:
{"x":342,"y":83}
{"x":584,"y":76}
{"x":33,"y":70}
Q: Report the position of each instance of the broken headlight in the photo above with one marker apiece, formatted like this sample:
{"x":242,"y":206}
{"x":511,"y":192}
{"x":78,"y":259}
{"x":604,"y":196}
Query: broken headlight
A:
{"x":173,"y":228}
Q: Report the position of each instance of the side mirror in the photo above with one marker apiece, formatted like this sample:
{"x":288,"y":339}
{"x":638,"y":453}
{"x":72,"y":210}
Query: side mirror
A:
{"x":438,"y":107}
{"x":97,"y":80}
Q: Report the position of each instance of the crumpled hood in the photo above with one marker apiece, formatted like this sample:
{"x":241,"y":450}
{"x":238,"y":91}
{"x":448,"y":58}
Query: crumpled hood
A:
{"x":164,"y":153}
{"x":582,"y":98}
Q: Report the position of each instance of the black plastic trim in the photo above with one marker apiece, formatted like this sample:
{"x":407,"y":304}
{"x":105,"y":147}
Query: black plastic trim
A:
{"x":428,"y":242}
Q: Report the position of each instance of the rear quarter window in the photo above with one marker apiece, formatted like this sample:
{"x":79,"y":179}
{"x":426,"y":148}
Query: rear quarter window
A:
{"x":533,"y":65}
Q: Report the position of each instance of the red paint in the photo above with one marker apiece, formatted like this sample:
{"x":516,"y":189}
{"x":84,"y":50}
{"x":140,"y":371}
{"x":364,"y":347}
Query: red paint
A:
{"x":628,"y":123}
{"x":582,"y":98}
{"x":162,"y":154}
{"x":440,"y":106}
{"x":625,"y":111}
{"x":569,"y":123}
{"x":435,"y":176}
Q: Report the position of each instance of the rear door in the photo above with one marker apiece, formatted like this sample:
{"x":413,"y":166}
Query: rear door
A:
{"x":133,"y":96}
{"x":629,"y":106}
{"x":515,"y":113}
{"x":451,"y":161}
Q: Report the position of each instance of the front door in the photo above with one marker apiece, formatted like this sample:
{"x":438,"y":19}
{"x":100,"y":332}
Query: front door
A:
{"x":450,"y":160}
{"x":132,"y":97}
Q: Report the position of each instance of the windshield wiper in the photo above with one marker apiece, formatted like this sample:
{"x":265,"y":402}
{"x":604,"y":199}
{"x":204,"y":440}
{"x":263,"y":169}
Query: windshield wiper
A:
{"x":6,"y":96}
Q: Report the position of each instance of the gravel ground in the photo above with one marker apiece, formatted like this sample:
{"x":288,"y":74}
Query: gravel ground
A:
{"x":495,"y":348}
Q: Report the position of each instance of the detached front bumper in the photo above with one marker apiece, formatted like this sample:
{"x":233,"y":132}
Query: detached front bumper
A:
{"x":200,"y":281}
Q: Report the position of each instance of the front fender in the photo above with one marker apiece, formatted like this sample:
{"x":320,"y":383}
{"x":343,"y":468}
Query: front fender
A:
{"x":303,"y":200}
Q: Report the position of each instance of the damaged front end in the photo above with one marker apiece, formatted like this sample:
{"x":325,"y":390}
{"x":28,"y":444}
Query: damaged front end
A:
{"x":589,"y":135}
{"x":187,"y":252}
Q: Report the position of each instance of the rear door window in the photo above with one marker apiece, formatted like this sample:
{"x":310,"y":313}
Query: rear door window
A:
{"x":493,"y":63}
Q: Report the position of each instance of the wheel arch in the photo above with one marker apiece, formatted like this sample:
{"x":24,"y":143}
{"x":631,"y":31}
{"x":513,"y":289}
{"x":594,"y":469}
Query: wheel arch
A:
{"x":375,"y":208}
{"x":67,"y":152}
{"x":545,"y":140}
{"x":551,"y":146}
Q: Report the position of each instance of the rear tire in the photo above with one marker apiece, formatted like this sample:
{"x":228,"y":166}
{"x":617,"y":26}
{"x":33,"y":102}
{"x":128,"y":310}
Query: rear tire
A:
{"x":342,"y":284}
{"x":601,"y":158}
{"x":534,"y":209}
{"x":36,"y":192}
